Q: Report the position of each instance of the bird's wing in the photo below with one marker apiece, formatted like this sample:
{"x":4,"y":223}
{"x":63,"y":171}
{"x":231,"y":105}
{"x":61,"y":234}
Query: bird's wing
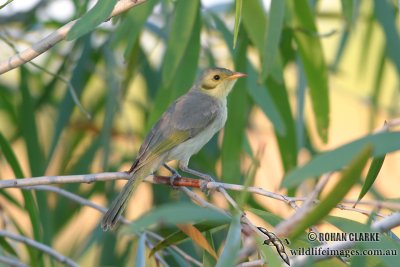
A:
{"x":184,"y":119}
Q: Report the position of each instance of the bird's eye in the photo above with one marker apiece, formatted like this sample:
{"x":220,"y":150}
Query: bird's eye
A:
{"x":216,"y":77}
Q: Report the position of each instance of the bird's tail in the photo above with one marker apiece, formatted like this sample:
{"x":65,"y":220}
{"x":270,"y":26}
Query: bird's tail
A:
{"x":119,"y":204}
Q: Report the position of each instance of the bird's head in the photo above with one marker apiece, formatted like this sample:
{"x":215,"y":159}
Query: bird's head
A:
{"x":218,"y":82}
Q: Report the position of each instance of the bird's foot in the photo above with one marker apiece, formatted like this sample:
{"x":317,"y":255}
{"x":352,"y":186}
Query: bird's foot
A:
{"x":172,"y":180}
{"x":175,"y":174}
{"x":203,"y":184}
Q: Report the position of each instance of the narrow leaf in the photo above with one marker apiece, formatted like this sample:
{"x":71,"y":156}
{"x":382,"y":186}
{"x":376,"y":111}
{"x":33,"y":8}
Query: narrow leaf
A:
{"x":348,"y":178}
{"x":238,"y":18}
{"x":232,"y":244}
{"x":178,"y":38}
{"x":29,"y":201}
{"x":179,"y":236}
{"x":7,"y":247}
{"x":373,"y":172}
{"x":140,"y":260}
{"x":255,"y":24}
{"x":234,"y":130}
{"x":98,"y":14}
{"x":386,"y":15}
{"x":338,"y":158}
{"x":208,"y":260}
{"x":171,"y":214}
{"x":132,"y":26}
{"x":310,"y":50}
{"x":347,"y":9}
{"x":385,"y":243}
{"x":197,"y":237}
{"x":264,"y":100}
{"x":274,"y":30}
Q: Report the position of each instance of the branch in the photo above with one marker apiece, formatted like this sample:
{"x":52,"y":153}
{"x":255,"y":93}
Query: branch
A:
{"x":12,"y":262}
{"x":48,"y":42}
{"x":180,"y":182}
{"x":46,"y":249}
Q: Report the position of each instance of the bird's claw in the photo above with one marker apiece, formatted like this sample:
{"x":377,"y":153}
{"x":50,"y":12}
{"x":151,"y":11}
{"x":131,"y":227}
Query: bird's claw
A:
{"x":172,"y":180}
{"x":203,"y":185}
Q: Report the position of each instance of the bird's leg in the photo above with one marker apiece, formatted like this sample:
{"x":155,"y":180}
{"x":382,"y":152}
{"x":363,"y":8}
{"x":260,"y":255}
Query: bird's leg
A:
{"x":204,"y":176}
{"x":175,"y":174}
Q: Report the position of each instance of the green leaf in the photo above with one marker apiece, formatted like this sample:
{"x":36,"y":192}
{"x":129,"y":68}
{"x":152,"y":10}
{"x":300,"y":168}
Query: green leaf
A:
{"x":98,"y":14}
{"x":234,"y":130}
{"x":7,"y":247}
{"x":348,"y":10}
{"x":268,"y":253}
{"x":268,"y":217}
{"x":29,"y":127}
{"x":255,"y":24}
{"x":385,"y":243}
{"x":132,"y":26}
{"x":273,"y":35}
{"x":339,"y":53}
{"x":8,"y":153}
{"x":386,"y":15}
{"x":287,"y":141}
{"x":208,"y":259}
{"x":300,"y":105}
{"x":178,"y":38}
{"x":263,"y":99}
{"x":184,"y":77}
{"x":373,"y":172}
{"x":112,"y":101}
{"x":377,"y":87}
{"x":348,"y":178}
{"x":310,"y":50}
{"x":179,"y":236}
{"x":140,"y":260}
{"x":80,"y":77}
{"x":171,"y":214}
{"x":238,"y":18}
{"x":232,"y":244}
{"x":29,"y":201}
{"x":338,"y":158}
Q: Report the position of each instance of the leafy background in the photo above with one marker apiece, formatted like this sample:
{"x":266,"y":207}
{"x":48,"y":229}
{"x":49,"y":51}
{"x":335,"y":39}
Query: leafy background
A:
{"x":320,"y":74}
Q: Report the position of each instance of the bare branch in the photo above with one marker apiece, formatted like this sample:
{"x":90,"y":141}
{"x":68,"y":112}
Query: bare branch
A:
{"x":46,"y":249}
{"x":48,"y":42}
{"x":178,"y":182}
{"x":286,"y":225}
{"x":12,"y":262}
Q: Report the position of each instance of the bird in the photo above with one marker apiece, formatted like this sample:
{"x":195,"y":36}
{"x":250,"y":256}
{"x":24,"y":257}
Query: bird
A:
{"x":184,"y":128}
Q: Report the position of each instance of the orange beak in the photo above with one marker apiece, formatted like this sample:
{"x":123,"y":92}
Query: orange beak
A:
{"x":236,"y":75}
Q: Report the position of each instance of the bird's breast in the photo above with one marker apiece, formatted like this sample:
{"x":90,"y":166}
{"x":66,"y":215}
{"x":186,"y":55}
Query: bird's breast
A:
{"x":185,"y":150}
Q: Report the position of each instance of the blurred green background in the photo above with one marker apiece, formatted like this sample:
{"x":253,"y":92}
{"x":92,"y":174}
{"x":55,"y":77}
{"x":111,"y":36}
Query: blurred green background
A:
{"x":320,"y":74}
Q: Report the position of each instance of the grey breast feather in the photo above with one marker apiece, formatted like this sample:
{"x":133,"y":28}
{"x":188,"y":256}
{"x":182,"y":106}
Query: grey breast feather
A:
{"x":191,"y":112}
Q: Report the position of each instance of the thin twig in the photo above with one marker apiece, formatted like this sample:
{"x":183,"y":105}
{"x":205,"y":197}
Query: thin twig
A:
{"x":48,"y":42}
{"x":12,"y":262}
{"x":286,"y":225}
{"x":46,"y":249}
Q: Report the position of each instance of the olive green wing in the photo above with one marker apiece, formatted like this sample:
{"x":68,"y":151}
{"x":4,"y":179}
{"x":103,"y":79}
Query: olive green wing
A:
{"x":184,"y":119}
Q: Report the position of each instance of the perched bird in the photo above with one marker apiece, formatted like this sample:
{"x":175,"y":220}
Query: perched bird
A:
{"x":187,"y":125}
